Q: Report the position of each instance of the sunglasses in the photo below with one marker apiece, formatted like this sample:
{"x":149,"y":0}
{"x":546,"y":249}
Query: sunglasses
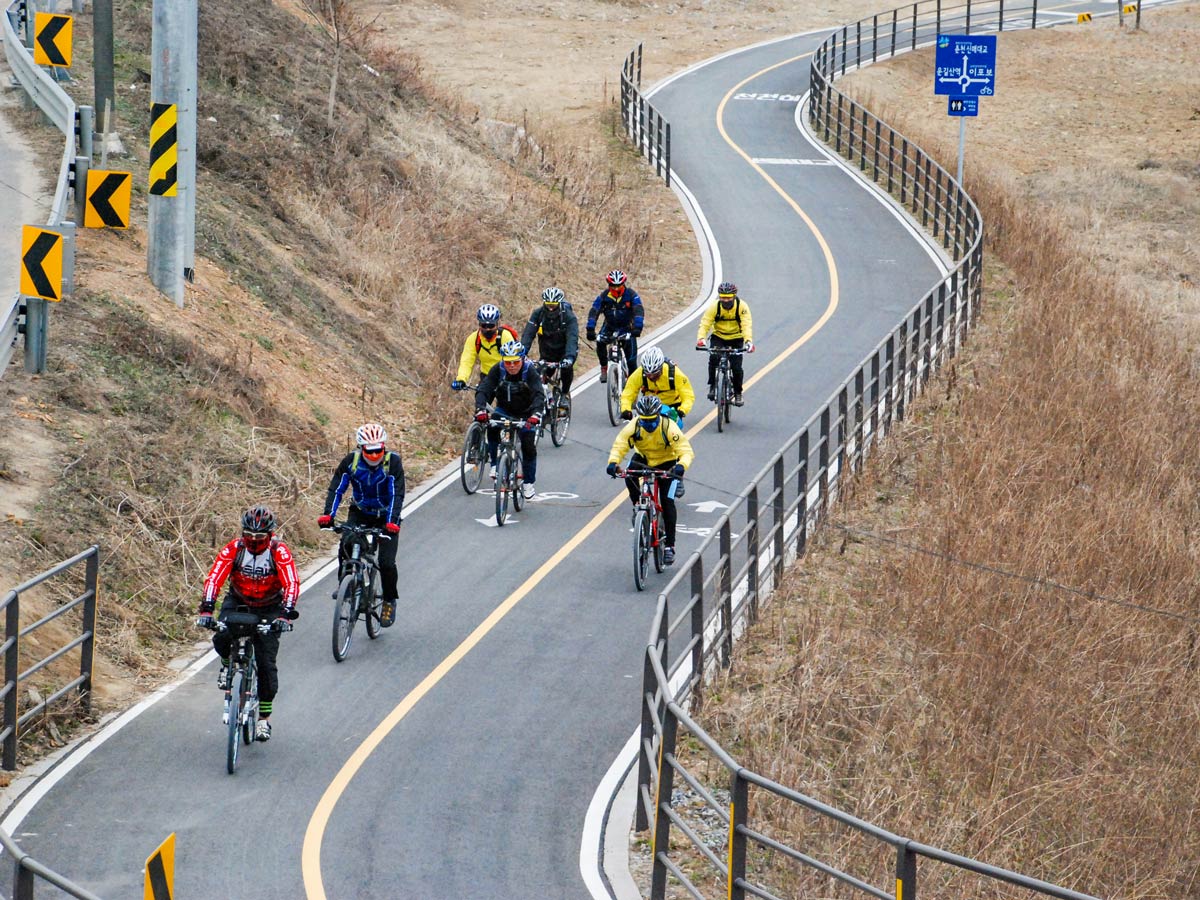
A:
{"x":372,"y":451}
{"x":488,"y":329}
{"x":256,"y":535}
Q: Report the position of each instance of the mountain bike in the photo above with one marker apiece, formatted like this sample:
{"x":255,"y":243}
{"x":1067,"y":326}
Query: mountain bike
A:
{"x":618,"y":374}
{"x":241,"y":715}
{"x":723,"y":388}
{"x":510,"y":475}
{"x":473,"y":460}
{"x":557,"y":417}
{"x":647,"y":523}
{"x":360,"y":591}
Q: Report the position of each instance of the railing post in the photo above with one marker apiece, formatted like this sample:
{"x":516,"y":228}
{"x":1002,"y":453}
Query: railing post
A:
{"x":668,"y":166}
{"x":752,"y":584}
{"x":777,"y":507}
{"x":91,"y":584}
{"x":739,"y":798}
{"x":906,"y":874}
{"x":823,"y":462}
{"x":914,"y":28}
{"x":1000,"y":27}
{"x":12,"y":630}
{"x":802,"y":505}
{"x":697,"y":623}
{"x":856,"y":459}
{"x":1033,"y":25}
{"x":22,"y":882}
{"x":895,"y":23}
{"x":649,"y":689}
{"x":662,"y":823}
{"x":726,"y":550}
{"x":889,"y":381}
{"x":902,"y":371}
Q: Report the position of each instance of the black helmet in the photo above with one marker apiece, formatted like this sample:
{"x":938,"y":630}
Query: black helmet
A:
{"x":258,"y":519}
{"x":727,"y":289}
{"x":648,"y":406}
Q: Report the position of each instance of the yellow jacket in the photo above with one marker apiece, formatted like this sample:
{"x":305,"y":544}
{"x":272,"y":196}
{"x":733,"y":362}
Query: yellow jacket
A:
{"x":666,"y":443}
{"x":477,"y":348}
{"x":729,"y":324}
{"x":681,"y":396}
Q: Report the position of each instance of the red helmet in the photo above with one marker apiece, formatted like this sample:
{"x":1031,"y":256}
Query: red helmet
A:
{"x":616,"y":278}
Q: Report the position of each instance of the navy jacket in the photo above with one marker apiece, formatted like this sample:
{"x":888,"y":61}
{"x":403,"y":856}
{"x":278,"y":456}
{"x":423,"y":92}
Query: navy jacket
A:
{"x":625,"y":314}
{"x":519,"y":396}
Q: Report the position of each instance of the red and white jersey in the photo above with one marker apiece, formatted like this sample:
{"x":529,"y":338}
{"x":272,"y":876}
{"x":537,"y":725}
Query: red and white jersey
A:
{"x":258,"y":579}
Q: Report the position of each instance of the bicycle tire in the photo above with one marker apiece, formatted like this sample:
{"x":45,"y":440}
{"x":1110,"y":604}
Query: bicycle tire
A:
{"x":345,"y":613}
{"x":474,"y":458}
{"x":562,"y":421}
{"x":250,"y":719}
{"x":373,"y":611}
{"x":502,"y":489}
{"x":613,"y":394}
{"x":728,"y":397}
{"x":641,"y":549}
{"x":722,"y":400}
{"x":518,"y":495}
{"x":232,"y":738}
{"x":656,"y":532}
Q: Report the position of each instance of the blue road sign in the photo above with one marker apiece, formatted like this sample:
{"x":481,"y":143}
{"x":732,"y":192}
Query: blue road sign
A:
{"x":965,"y":65}
{"x":963,"y":106}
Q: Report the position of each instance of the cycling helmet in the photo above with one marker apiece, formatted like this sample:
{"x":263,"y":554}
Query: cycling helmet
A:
{"x":489,"y":314}
{"x":616,"y":277}
{"x":648,"y":406}
{"x":258,"y":521}
{"x":651,"y":360}
{"x":370,"y":435}
{"x":553,"y":295}
{"x":727,"y":289}
{"x":511,"y":350}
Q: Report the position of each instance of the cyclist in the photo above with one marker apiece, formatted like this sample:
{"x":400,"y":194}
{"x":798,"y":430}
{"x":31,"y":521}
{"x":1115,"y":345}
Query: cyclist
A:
{"x":483,"y":345}
{"x":375,"y":476}
{"x":659,"y":376}
{"x":622,"y":310}
{"x":657,"y":443}
{"x":557,"y":331}
{"x":516,"y":389}
{"x":262,"y":580}
{"x":728,"y":321}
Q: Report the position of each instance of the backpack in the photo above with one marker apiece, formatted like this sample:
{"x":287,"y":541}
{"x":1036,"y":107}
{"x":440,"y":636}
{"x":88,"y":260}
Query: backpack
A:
{"x":511,"y":330}
{"x":737,"y":311}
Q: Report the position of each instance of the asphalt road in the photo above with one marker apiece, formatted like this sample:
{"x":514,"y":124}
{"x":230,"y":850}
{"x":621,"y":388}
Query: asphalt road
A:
{"x":477,"y":783}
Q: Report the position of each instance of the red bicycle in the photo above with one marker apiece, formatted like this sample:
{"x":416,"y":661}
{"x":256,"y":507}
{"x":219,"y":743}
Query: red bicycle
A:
{"x":647,"y":523}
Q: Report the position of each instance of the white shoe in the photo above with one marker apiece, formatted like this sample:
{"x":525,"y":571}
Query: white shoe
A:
{"x":263,"y":731}
{"x":528,"y":491}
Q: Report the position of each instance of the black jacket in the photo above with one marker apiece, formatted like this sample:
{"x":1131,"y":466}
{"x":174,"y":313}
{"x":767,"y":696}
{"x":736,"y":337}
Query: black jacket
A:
{"x":519,"y":395}
{"x":558,"y":330}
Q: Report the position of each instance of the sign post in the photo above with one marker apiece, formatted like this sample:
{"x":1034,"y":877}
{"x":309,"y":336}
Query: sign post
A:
{"x":965,"y":70}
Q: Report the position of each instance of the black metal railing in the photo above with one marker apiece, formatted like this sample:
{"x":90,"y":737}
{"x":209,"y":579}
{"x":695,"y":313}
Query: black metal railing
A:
{"x":648,"y":130}
{"x":717,"y":592}
{"x":81,"y":686}
{"x":26,"y":870}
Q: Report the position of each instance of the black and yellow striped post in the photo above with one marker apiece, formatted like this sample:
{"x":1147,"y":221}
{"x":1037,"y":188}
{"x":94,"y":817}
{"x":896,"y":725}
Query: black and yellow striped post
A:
{"x":159,"y":881}
{"x":164,"y":149}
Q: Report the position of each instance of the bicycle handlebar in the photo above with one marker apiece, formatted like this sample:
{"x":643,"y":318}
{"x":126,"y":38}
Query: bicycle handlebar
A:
{"x":728,"y":351}
{"x":643,"y":470}
{"x":357,"y":529}
{"x":549,"y":364}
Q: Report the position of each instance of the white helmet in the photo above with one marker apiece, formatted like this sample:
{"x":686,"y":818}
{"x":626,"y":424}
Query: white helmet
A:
{"x":370,"y":434}
{"x":651,"y":360}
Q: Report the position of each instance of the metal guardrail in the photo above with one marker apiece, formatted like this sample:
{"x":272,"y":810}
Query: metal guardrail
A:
{"x":60,"y":109}
{"x":25,"y":868}
{"x":717,"y":592}
{"x":648,"y":130}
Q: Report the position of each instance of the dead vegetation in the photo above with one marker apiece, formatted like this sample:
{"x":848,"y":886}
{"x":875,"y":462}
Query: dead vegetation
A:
{"x":993,"y":647}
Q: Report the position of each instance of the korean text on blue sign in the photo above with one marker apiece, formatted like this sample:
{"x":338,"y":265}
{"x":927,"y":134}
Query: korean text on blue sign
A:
{"x":962,"y":106}
{"x":965,"y":65}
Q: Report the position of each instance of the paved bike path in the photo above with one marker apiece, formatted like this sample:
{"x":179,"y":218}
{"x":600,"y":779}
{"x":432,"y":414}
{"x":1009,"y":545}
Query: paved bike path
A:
{"x":481,"y":789}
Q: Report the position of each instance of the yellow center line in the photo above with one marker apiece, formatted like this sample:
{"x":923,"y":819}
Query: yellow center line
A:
{"x":315,"y":832}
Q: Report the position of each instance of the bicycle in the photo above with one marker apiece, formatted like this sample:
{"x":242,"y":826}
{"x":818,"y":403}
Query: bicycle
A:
{"x":510,"y":475}
{"x":618,"y":374}
{"x":243,"y":680}
{"x":557,"y":418}
{"x":647,"y":523}
{"x":473,"y":460}
{"x":360,"y":592}
{"x":723,"y":389}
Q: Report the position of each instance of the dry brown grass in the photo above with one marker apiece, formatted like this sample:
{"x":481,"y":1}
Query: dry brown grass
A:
{"x":986,"y":711}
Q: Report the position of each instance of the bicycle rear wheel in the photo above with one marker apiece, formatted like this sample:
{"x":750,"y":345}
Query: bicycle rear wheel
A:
{"x":474,"y":457}
{"x":236,"y":679}
{"x":250,"y":701}
{"x":641,"y":548}
{"x":561,"y":422}
{"x":373,"y":612}
{"x":502,"y":488}
{"x":345,"y":612}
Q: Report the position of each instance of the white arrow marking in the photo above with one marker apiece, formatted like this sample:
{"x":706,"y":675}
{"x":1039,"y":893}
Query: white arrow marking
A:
{"x":707,"y":506}
{"x":491,"y":522}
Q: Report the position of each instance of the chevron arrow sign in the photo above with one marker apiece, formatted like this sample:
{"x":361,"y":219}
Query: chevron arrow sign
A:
{"x":108,"y":196}
{"x":52,"y":39}
{"x":41,"y":263}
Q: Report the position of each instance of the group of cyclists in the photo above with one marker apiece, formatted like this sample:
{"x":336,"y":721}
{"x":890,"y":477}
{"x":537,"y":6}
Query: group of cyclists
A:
{"x":657,"y":397}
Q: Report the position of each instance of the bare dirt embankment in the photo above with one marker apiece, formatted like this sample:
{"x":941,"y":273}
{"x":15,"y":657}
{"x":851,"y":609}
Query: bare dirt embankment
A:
{"x":992,"y":647}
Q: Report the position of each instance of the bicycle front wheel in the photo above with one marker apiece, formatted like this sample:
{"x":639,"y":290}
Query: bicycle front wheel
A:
{"x":250,"y":701}
{"x":722,"y":401}
{"x":345,"y":612}
{"x":502,"y":488}
{"x":613,"y":394}
{"x":474,"y":457}
{"x":517,"y":467}
{"x":373,"y":610}
{"x":236,"y":681}
{"x":561,"y":422}
{"x":641,"y":549}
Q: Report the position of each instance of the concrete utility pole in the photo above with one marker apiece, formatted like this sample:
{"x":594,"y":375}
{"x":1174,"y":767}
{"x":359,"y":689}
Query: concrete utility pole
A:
{"x":173,"y":145}
{"x":102,"y":61}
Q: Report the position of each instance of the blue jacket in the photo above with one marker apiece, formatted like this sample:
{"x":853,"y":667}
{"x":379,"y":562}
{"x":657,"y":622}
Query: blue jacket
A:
{"x":619,"y":315}
{"x":376,"y":490}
